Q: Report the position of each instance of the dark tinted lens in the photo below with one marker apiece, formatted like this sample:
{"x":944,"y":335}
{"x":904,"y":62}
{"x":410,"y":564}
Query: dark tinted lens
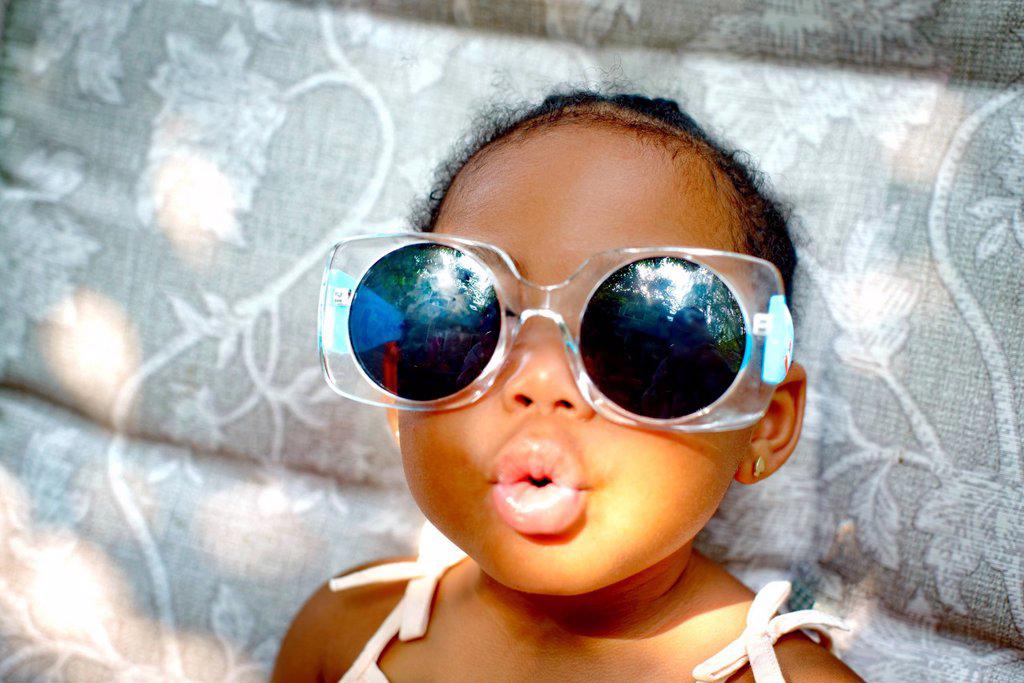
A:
{"x":424,"y":321}
{"x":663,"y":337}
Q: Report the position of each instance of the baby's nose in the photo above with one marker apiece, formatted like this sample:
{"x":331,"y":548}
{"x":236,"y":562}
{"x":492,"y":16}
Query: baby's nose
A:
{"x":540,"y":378}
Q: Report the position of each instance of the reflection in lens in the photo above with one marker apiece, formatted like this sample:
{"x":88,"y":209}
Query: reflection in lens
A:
{"x":663,"y":337}
{"x":424,"y":321}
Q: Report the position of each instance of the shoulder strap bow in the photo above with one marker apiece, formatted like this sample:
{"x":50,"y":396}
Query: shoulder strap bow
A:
{"x":436,"y":554}
{"x":762,"y":630}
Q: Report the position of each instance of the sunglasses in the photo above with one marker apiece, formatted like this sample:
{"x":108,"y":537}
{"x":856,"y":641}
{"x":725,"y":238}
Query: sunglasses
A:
{"x":678,"y":338}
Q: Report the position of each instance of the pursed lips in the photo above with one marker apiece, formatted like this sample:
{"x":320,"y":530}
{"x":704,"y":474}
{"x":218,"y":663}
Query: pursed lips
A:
{"x":539,"y":485}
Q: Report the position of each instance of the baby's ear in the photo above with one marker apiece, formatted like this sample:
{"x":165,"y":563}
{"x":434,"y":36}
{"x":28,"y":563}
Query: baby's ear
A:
{"x":775,"y":435}
{"x":393,"y":426}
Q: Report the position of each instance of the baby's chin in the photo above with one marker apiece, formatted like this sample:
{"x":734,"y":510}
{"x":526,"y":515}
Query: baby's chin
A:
{"x":556,"y":565}
{"x":619,"y":534}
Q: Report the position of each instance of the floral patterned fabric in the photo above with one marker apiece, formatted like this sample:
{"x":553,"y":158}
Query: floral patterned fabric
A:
{"x":175,"y":476}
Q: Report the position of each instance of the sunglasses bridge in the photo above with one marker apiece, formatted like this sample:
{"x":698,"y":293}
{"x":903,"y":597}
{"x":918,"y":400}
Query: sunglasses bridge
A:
{"x":540,"y":301}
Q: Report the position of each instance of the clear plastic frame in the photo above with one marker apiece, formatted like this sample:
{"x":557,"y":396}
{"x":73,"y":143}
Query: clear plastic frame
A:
{"x":755,"y":284}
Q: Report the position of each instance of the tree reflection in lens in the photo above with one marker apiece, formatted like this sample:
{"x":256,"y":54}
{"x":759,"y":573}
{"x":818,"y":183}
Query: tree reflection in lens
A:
{"x":663,"y":337}
{"x":424,"y":321}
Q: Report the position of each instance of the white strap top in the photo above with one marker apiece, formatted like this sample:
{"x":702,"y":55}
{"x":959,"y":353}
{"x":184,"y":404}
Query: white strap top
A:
{"x":408,"y":619}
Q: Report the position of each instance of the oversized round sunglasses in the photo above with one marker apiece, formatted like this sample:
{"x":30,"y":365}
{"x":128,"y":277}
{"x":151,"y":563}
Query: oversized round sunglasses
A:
{"x":679,"y":338}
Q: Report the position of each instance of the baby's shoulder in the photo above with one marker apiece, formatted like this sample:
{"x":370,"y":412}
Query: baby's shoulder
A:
{"x":330,"y":629}
{"x":801,"y":659}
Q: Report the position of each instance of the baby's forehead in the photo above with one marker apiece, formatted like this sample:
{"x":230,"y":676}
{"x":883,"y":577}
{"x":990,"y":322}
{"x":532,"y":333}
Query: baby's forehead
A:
{"x":566,"y":193}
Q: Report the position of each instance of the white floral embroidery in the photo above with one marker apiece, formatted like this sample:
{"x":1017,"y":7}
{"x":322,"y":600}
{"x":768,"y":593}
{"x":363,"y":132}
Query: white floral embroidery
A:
{"x":171,"y":461}
{"x":1003,"y":213}
{"x":264,"y":13}
{"x":90,"y":30}
{"x":415,"y":57}
{"x":231,"y":619}
{"x":42,"y":245}
{"x":924,"y":651}
{"x":991,"y":529}
{"x":797,"y":106}
{"x":872,"y":512}
{"x":194,"y":419}
{"x":217,"y":120}
{"x":588,"y":21}
{"x":864,"y":31}
{"x":49,"y":468}
{"x":870,"y":298}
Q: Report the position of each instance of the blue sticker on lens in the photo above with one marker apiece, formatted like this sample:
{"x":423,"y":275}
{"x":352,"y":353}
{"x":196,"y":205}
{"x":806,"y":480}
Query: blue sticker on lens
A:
{"x":383,"y":322}
{"x":340,"y":286}
{"x":778,"y":347}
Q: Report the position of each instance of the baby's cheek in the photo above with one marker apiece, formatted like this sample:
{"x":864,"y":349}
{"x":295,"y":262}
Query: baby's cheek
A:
{"x":440,"y":476}
{"x":664,"y":495}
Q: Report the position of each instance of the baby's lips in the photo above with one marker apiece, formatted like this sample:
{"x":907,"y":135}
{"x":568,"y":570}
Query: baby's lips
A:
{"x":540,"y":457}
{"x":529,"y":509}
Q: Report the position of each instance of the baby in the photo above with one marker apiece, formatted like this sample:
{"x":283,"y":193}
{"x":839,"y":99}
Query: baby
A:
{"x":569,"y":442}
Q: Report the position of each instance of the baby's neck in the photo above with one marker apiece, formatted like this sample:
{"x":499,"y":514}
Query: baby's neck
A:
{"x":643,"y":605}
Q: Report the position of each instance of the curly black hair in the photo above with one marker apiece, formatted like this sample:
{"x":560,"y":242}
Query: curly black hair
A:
{"x":761,"y":219}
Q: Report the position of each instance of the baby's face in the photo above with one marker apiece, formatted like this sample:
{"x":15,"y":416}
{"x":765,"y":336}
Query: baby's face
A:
{"x":551,"y":202}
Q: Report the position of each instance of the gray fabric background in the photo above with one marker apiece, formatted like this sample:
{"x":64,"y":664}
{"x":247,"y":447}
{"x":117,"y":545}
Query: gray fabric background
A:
{"x":175,"y":476}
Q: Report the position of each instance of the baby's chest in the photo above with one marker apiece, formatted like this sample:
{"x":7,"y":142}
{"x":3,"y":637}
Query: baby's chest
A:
{"x":474,"y":657}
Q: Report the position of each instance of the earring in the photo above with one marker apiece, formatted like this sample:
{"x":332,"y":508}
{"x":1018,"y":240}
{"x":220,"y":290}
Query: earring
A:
{"x":759,"y":466}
